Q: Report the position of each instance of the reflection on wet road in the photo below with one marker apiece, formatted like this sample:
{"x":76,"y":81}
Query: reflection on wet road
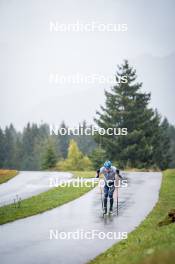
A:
{"x":28,"y":240}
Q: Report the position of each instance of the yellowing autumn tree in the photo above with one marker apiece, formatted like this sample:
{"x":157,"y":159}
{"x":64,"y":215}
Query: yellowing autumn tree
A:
{"x":75,"y":159}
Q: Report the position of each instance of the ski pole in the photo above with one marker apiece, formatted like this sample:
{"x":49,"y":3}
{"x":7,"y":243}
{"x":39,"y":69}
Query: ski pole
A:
{"x":101,"y":197}
{"x":117,"y":194}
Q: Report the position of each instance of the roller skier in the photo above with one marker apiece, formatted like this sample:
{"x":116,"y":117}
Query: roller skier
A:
{"x":110,"y":173}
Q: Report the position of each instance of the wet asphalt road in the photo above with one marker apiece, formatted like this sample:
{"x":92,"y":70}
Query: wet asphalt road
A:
{"x":29,"y":183}
{"x":28,"y":240}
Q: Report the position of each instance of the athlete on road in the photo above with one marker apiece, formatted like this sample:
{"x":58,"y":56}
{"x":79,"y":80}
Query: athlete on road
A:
{"x":109,"y":173}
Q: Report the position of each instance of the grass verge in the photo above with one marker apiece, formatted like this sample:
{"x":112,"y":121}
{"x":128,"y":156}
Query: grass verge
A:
{"x":42,"y":202}
{"x":6,"y":175}
{"x":151,"y":242}
{"x":82,"y":174}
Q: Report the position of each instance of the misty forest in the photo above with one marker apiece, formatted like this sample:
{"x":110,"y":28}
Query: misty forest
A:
{"x":150,"y":142}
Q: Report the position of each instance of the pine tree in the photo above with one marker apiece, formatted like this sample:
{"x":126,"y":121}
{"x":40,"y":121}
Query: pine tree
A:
{"x":9,"y":147}
{"x":49,"y":159}
{"x":171,"y":135}
{"x":86,"y":143}
{"x":28,"y":146}
{"x":34,"y":143}
{"x":63,"y":141}
{"x":98,"y":156}
{"x":163,"y":155}
{"x":18,"y":155}
{"x":127,"y":107}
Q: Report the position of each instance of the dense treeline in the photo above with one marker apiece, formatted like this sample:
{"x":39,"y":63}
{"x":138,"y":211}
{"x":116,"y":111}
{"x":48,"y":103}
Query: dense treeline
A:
{"x":34,"y":148}
{"x":150,"y":142}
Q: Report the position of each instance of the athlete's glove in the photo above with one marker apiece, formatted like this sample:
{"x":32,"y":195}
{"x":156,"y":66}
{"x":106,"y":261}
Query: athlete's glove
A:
{"x":118,"y":173}
{"x":98,"y":174}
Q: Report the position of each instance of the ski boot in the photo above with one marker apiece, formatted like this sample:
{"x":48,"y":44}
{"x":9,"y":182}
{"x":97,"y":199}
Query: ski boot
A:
{"x":105,"y":211}
{"x":111,"y":206}
{"x":105,"y":206}
{"x":110,"y":211}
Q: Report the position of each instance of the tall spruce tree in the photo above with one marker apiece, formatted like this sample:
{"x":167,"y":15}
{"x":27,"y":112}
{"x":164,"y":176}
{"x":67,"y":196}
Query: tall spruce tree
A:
{"x":127,"y":107}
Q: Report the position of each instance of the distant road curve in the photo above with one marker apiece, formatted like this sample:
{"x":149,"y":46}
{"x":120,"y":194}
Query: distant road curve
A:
{"x":29,"y":183}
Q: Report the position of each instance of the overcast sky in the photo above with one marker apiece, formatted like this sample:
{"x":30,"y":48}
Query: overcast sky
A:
{"x":29,"y":53}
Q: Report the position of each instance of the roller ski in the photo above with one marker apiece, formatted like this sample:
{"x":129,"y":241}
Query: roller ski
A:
{"x":111,"y":212}
{"x":105,"y":213}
